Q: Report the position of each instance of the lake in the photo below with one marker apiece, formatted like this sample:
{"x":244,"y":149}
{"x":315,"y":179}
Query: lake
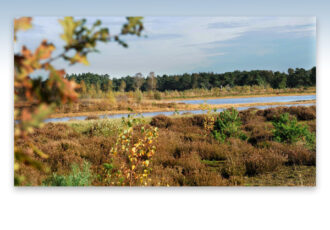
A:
{"x":220,"y":101}
{"x":151,"y":114}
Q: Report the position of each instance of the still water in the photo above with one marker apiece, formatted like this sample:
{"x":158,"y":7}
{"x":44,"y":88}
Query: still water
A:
{"x":242,"y":100}
{"x":151,"y":114}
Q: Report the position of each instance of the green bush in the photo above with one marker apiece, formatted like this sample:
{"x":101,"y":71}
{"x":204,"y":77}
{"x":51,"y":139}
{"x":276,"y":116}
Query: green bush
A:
{"x":289,"y":131}
{"x":77,"y":177}
{"x":228,"y":125}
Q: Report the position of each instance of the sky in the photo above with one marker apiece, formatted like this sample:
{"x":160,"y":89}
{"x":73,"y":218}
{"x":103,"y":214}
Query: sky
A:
{"x":176,"y":45}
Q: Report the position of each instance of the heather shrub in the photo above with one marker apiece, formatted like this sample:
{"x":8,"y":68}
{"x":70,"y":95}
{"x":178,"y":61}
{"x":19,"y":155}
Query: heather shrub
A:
{"x":178,"y":161}
{"x":190,"y":162}
{"x":235,"y":152}
{"x":234,"y":166}
{"x":29,"y":176}
{"x":96,"y":149}
{"x":79,"y":176}
{"x":249,"y":115}
{"x":210,"y":150}
{"x":250,"y":161}
{"x":261,"y":161}
{"x":258,"y":132}
{"x":311,"y":125}
{"x":198,"y":120}
{"x":303,"y":113}
{"x":161,"y":121}
{"x":62,"y":153}
{"x":203,"y":178}
{"x":299,"y":155}
{"x":296,"y":154}
{"x":55,"y":132}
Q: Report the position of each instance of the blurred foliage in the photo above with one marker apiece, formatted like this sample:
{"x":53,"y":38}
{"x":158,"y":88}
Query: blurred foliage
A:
{"x":41,"y":98}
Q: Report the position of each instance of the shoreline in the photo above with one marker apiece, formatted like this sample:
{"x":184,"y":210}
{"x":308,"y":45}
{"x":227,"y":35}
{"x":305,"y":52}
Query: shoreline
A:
{"x":238,"y":96}
{"x":190,"y":107}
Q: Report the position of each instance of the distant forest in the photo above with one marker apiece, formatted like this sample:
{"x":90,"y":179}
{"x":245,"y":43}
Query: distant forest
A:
{"x":294,"y":78}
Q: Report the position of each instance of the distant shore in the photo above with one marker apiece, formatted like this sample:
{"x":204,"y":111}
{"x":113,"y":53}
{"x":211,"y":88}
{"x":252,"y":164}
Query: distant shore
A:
{"x":188,"y":107}
{"x":241,"y":96}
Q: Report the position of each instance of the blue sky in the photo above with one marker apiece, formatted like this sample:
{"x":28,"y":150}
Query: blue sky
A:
{"x":175,"y":45}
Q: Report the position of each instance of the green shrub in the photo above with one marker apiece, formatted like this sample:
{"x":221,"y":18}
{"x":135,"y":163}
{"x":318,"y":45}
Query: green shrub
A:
{"x":289,"y":131}
{"x":77,"y":177}
{"x":228,"y":125}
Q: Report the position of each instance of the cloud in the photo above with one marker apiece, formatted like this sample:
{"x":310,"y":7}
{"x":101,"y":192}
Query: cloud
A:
{"x":174,"y":44}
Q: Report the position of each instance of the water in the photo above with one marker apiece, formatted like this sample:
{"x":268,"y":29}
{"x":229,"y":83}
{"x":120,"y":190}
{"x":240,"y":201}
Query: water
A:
{"x":223,"y":101}
{"x":151,"y":114}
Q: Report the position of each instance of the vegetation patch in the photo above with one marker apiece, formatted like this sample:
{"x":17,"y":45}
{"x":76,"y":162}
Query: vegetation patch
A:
{"x":179,"y":155}
{"x":228,"y":124}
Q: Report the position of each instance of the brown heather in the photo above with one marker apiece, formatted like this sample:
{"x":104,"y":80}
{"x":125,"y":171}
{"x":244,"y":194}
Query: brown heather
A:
{"x":184,"y":156}
{"x":302,"y":113}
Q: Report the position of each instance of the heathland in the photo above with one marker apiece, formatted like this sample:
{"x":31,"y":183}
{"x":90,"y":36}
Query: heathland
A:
{"x":274,"y":146}
{"x":270,"y":147}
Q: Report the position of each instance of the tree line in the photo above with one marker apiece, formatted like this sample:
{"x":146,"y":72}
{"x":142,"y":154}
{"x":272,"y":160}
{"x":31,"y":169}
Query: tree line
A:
{"x":294,"y":78}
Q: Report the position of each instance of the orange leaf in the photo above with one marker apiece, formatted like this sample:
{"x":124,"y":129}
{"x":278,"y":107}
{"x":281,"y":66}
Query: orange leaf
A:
{"x":23,"y":23}
{"x":44,"y":51}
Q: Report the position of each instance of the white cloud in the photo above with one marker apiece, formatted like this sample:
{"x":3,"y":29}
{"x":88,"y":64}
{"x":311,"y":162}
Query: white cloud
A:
{"x":174,"y":44}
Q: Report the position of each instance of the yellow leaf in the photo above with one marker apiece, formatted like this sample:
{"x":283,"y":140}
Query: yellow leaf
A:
{"x":69,"y":26}
{"x":79,"y":58}
{"x":23,"y":23}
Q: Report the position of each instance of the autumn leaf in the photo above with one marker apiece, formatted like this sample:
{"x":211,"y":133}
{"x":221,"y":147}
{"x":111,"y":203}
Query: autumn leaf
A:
{"x":44,"y":51}
{"x":69,"y":26}
{"x":78,"y":57}
{"x":133,"y":26}
{"x":23,"y":23}
{"x":67,"y":89}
